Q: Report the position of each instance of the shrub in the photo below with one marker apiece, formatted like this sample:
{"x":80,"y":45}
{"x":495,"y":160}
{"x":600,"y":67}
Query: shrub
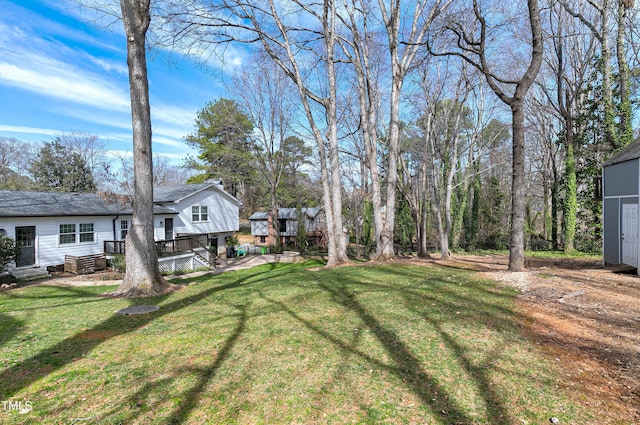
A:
{"x":9,"y":251}
{"x":119,"y":263}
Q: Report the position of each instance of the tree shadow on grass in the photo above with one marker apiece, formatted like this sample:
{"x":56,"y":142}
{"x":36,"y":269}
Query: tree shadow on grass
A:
{"x":9,"y":327}
{"x":409,"y":368}
{"x":53,"y":292}
{"x":204,"y":375}
{"x":405,"y":366}
{"x":19,"y":376}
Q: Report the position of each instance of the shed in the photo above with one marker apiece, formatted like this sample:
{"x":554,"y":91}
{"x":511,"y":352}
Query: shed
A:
{"x":621,"y":202}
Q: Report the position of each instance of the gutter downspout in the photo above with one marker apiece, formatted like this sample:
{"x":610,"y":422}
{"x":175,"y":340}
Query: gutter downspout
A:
{"x":114,"y":227}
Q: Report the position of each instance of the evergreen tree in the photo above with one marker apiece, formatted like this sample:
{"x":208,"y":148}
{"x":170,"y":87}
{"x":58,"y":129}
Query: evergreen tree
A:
{"x":58,"y":168}
{"x":222,"y":137}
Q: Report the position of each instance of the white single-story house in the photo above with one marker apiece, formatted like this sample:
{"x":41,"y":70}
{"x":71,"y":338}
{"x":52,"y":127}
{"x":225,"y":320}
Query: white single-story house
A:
{"x":48,"y":226}
{"x":621,"y":205}
{"x":264,"y":232}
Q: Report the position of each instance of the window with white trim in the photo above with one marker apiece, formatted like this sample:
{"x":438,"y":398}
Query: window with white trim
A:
{"x":86,"y":232}
{"x":67,"y":233}
{"x":124,"y":229}
{"x":199,"y":213}
{"x":73,"y":233}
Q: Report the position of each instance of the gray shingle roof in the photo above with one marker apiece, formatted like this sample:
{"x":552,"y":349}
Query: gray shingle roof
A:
{"x":632,"y":151}
{"x":23,"y":203}
{"x":258,"y":216}
{"x":287,"y":213}
{"x":163,"y":194}
{"x":176,"y":193}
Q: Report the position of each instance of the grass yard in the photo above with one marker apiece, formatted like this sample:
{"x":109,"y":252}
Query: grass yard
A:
{"x":392,"y":344}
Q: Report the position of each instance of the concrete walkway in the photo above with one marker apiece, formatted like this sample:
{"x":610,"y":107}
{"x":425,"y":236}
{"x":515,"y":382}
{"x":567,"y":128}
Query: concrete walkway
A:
{"x":223,"y":265}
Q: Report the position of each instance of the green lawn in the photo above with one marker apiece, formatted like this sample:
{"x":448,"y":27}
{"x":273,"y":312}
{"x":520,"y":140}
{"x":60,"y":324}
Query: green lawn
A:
{"x":392,"y":344}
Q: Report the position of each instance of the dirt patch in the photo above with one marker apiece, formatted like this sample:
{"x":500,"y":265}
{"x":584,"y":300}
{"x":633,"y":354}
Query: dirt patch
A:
{"x":586,"y":317}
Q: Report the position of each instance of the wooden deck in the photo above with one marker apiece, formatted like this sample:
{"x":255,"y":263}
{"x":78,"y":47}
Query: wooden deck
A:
{"x":164,"y":248}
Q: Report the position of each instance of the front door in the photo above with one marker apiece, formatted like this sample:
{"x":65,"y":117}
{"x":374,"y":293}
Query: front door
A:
{"x":630,"y":234}
{"x":26,"y":238}
{"x":168,"y":229}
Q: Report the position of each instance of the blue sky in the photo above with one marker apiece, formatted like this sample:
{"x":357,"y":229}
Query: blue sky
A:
{"x":61,"y":74}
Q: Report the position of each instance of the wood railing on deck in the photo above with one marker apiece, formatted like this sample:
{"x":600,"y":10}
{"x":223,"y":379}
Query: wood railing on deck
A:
{"x":164,"y":248}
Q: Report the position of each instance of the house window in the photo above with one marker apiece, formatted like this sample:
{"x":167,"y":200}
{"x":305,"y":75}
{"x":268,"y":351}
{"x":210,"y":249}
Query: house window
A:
{"x":124,"y":229}
{"x":86,"y":232}
{"x":71,"y":233}
{"x":67,"y":234}
{"x":263,"y":239}
{"x":282,"y":225}
{"x":199,"y":213}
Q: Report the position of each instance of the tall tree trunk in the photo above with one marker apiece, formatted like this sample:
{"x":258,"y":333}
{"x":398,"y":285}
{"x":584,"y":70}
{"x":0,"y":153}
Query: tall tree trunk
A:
{"x":610,"y":133}
{"x":142,"y":276}
{"x":554,"y":212}
{"x":571,"y":202}
{"x":385,"y":248}
{"x":518,"y":189}
{"x":403,"y":48}
{"x":340,"y":254}
{"x":626,"y":114}
{"x":423,"y":222}
{"x":459,"y":213}
{"x":477,"y":57}
{"x":444,"y":238}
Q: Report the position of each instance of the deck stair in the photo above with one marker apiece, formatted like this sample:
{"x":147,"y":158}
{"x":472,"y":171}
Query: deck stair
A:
{"x":30,"y":273}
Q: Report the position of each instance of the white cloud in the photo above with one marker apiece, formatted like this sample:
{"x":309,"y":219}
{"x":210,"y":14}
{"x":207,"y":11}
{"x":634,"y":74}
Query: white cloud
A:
{"x":84,"y":84}
{"x":170,"y":142}
{"x":29,"y":130}
{"x":32,"y":58}
{"x":110,"y":66}
{"x":168,"y":122}
{"x":181,"y":117}
{"x":119,"y":119}
{"x":52,"y":78}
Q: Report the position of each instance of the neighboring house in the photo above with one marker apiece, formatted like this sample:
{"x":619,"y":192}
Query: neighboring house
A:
{"x":621,"y":204}
{"x":51,"y":225}
{"x":264,"y":233}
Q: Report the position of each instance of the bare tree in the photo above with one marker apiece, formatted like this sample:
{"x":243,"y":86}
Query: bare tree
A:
{"x":546,"y":156}
{"x":267,"y":96}
{"x":118,"y":174}
{"x":599,"y":25}
{"x":14,"y":163}
{"x":142,"y":276}
{"x":405,"y":26}
{"x":89,"y":146}
{"x":472,"y":41}
{"x":363,"y":51}
{"x":304,"y":53}
{"x":415,"y":156}
{"x":569,"y":62}
{"x":444,"y":146}
{"x":403,"y":48}
{"x":626,"y":115}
